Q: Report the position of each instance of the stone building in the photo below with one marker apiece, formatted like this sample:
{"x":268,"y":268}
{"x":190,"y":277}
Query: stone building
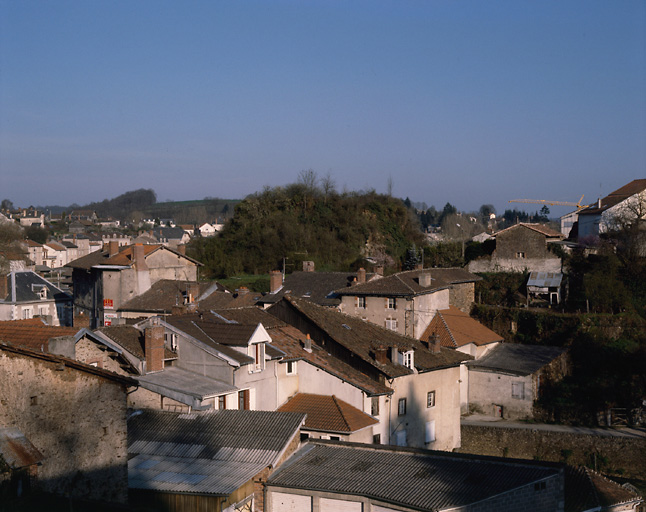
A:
{"x":74,"y":415}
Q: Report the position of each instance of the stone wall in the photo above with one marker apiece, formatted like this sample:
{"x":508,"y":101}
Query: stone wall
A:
{"x":462,"y":296}
{"x":495,"y":264}
{"x":75,"y":418}
{"x":619,"y":456}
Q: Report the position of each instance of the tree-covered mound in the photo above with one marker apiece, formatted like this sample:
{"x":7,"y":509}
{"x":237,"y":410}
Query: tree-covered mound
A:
{"x":302,"y":221}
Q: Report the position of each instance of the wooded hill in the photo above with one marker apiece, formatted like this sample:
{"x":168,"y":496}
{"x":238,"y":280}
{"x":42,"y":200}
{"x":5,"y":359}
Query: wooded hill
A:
{"x":303,"y":222}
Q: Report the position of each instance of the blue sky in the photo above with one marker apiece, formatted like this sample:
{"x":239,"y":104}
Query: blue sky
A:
{"x":469,"y":102}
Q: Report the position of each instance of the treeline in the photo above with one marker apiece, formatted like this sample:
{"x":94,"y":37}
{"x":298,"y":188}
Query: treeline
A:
{"x":307,"y":221}
{"x":122,"y":205}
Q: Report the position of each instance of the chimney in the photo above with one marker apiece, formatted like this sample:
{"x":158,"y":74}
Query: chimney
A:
{"x":4,"y":288}
{"x":243,"y":290}
{"x":192,"y":292}
{"x":307,"y":344}
{"x":308,"y":266}
{"x":137,"y":256}
{"x":182,"y":249}
{"x":179,"y":310}
{"x":394,"y":355}
{"x":381,"y":354}
{"x":113,"y":248}
{"x":435,"y":344}
{"x":361,"y":275}
{"x":379,"y":270}
{"x":154,"y":348}
{"x":425,"y":279}
{"x":275,"y":281}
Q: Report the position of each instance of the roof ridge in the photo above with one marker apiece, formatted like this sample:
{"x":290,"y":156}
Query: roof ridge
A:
{"x":455,"y":344}
{"x":402,"y":282}
{"x":338,"y":407}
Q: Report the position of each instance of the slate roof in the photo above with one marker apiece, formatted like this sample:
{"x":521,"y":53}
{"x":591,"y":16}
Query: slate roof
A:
{"x":362,"y":338}
{"x":290,"y":341}
{"x":33,"y":337}
{"x":125,"y":257}
{"x":222,"y":299}
{"x":16,"y":450}
{"x":215,"y":452}
{"x":586,"y":490}
{"x":516,"y":358}
{"x":317,"y":287}
{"x":418,"y":479}
{"x":162,"y":296}
{"x":616,"y":197}
{"x":539,"y":228}
{"x":407,"y":284}
{"x":456,"y":329}
{"x":328,"y":413}
{"x":24,"y":286}
{"x":131,"y":339}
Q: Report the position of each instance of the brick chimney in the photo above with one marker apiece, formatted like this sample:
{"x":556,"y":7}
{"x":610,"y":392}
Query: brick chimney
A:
{"x":379,"y":270}
{"x":275,"y":281}
{"x":381,"y":354}
{"x":154,"y":348}
{"x":434,"y":343}
{"x":308,"y":266}
{"x":113,"y":248}
{"x":361,"y":275}
{"x":192,"y":292}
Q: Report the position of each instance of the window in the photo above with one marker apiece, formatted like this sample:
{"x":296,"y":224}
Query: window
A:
{"x":401,"y":407}
{"x":361,"y":302}
{"x":291,"y":367}
{"x":520,"y":254}
{"x":430,"y":399}
{"x":374,"y":406}
{"x":170,"y":339}
{"x":243,"y":400}
{"x":376,"y":439}
{"x":42,"y":311}
{"x":257,"y":351}
{"x":26,"y":314}
{"x":391,"y":303}
{"x":430,"y":431}
{"x":407,"y":359}
{"x":222,"y":402}
{"x":518,"y":390}
{"x":391,"y":324}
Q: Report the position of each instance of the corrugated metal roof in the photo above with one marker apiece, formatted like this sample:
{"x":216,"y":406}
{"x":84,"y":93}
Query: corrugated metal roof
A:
{"x":16,"y":450}
{"x":410,"y":478}
{"x":187,"y":382}
{"x":229,"y":447}
{"x":545,"y":279}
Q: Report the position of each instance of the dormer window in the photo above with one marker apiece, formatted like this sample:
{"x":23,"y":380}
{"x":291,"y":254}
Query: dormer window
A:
{"x":257,"y":351}
{"x":40,"y":290}
{"x":406,"y":359}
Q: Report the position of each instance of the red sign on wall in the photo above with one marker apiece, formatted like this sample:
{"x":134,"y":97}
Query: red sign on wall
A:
{"x":108,"y":304}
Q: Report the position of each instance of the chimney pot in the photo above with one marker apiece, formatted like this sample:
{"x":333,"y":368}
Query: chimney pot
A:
{"x":307,"y":344}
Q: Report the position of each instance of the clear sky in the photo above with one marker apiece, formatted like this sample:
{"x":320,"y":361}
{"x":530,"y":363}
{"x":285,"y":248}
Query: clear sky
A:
{"x":470,"y":102}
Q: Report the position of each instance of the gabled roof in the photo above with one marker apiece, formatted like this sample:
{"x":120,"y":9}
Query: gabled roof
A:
{"x":587,"y":490}
{"x":131,"y":339}
{"x":539,"y":228}
{"x":175,"y":233}
{"x":457,"y":329}
{"x":57,"y":246}
{"x":317,"y":287}
{"x":415,"y":479}
{"x":363,"y":338}
{"x":517,"y":359}
{"x":214,"y":452}
{"x":222,"y":299}
{"x":328,"y":413}
{"x":25,"y":286}
{"x":291,"y":342}
{"x":125,"y":257}
{"x":616,"y":197}
{"x":163,"y":295}
{"x":407,"y":284}
{"x":33,"y":337}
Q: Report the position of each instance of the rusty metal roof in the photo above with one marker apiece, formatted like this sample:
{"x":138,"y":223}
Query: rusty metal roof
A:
{"x":16,"y":450}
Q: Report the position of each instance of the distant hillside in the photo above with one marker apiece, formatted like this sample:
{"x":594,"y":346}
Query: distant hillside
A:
{"x":300,"y":222}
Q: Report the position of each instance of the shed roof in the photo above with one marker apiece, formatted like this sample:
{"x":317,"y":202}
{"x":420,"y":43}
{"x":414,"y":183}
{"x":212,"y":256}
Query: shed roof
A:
{"x":545,"y":279}
{"x":186,"y":382}
{"x":213,"y":452}
{"x":16,"y":450}
{"x":516,"y":358}
{"x":418,"y":479}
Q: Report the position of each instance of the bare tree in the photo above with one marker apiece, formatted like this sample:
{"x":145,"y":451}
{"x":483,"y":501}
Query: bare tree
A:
{"x":389,"y":187}
{"x":328,"y":185}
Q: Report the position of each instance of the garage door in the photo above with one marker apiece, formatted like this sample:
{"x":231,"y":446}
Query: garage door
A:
{"x":283,"y":502}
{"x":328,"y":505}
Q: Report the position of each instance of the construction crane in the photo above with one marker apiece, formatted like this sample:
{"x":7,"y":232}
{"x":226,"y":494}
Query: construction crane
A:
{"x":551,"y":203}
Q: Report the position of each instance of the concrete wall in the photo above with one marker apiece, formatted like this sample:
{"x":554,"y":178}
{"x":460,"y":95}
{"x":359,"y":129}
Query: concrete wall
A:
{"x":621,"y":456}
{"x":445,"y":413}
{"x":263,"y":385}
{"x":488,"y":390}
{"x":75,"y":419}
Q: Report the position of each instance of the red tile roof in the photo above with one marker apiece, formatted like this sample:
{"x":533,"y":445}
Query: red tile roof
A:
{"x":31,"y":335}
{"x":457,"y":329}
{"x":328,"y":413}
